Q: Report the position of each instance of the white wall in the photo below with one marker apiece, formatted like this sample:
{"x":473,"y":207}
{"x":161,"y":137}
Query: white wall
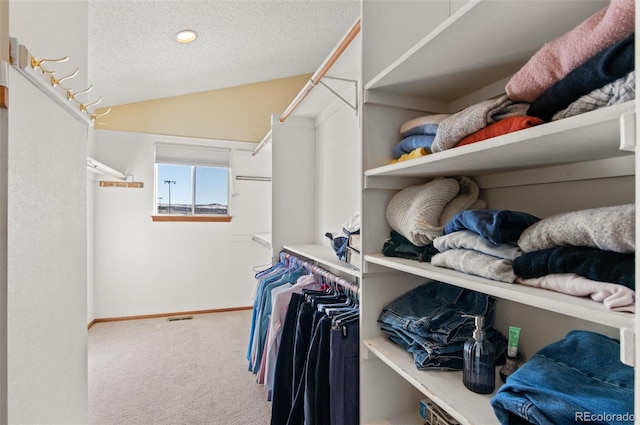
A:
{"x":47,"y":255}
{"x":143,"y":267}
{"x":339,"y":173}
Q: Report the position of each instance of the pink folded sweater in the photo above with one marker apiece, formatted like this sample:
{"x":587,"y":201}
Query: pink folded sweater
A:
{"x":559,"y":57}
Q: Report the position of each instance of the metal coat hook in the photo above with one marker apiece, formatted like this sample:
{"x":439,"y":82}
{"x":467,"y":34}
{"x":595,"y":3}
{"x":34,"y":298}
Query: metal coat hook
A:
{"x":72,"y":96}
{"x":35,"y":64}
{"x":56,"y":81}
{"x":95,"y":116}
{"x":84,"y":107}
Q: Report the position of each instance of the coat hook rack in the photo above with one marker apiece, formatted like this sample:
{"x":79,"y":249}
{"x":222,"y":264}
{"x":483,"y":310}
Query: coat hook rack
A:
{"x":55,"y":82}
{"x":95,"y":116}
{"x":35,"y":64}
{"x":27,"y":64}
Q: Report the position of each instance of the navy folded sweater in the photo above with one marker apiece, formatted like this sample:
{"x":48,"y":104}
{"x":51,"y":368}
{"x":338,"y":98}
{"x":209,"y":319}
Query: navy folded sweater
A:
{"x":592,"y":263}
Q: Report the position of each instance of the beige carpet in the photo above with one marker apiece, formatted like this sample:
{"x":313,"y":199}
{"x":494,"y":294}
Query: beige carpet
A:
{"x":188,"y":372}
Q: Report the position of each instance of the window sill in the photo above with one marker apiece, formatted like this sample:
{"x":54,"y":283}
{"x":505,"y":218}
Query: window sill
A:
{"x":207,"y":218}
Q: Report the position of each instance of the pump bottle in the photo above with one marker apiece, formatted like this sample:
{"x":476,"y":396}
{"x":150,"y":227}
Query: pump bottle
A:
{"x":479,"y":360}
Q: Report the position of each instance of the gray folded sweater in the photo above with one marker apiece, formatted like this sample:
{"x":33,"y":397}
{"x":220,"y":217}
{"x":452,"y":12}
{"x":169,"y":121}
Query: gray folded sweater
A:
{"x":455,"y":127}
{"x":607,"y":228}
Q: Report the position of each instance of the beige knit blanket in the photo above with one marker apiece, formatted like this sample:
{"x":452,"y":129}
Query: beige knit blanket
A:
{"x":420,"y":212}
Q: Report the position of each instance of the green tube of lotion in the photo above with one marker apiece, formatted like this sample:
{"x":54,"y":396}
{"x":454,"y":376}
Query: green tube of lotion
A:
{"x":514,"y":338}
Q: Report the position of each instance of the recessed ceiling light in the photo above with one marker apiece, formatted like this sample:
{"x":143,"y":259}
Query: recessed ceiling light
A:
{"x":186,"y":36}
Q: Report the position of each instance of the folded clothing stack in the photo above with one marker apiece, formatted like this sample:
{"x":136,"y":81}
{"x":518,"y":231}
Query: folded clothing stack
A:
{"x":420,"y":212}
{"x":586,"y":253}
{"x":577,"y":379}
{"x":482,"y":242}
{"x":417,"y":136}
{"x":431,"y":322}
{"x":589,"y":67}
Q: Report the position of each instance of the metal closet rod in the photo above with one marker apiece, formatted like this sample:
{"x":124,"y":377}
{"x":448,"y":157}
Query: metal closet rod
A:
{"x":261,"y":145}
{"x":317,"y":76}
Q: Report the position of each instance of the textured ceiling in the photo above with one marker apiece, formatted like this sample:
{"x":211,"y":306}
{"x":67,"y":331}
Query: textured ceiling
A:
{"x":133,"y":56}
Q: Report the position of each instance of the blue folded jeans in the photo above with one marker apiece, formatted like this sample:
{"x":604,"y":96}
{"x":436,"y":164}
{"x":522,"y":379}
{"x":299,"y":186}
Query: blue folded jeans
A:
{"x":577,"y":379}
{"x":428,"y":354}
{"x":436,"y":311}
{"x":433,"y":321}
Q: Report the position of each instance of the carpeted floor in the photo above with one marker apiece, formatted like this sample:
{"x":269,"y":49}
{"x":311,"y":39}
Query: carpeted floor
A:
{"x":187,"y":372}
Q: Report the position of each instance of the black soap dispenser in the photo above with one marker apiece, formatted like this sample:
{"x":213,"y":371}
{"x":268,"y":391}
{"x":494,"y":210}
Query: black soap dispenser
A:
{"x":479,"y":361}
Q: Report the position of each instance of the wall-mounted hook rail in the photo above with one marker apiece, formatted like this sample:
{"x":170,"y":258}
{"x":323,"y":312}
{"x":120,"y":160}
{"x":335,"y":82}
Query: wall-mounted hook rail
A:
{"x":27,"y":65}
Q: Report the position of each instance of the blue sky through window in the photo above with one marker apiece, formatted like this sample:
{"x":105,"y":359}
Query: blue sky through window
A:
{"x":211,"y":184}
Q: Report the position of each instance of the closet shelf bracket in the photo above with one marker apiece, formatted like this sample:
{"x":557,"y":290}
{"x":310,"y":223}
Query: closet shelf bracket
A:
{"x":355,"y":85}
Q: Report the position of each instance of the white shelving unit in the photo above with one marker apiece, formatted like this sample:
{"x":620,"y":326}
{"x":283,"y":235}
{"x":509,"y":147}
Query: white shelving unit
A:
{"x":466,"y":54}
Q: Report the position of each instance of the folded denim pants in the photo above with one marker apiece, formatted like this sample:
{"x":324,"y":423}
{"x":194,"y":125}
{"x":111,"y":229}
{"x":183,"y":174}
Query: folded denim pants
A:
{"x":577,"y":379}
{"x":436,"y":310}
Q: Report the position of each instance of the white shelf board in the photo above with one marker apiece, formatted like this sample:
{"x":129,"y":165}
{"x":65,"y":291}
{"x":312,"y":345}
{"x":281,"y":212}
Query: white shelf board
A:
{"x":589,"y":136}
{"x":435,"y":70}
{"x":579,"y":307}
{"x":263,"y":239}
{"x":323,"y":255}
{"x":445,"y":388}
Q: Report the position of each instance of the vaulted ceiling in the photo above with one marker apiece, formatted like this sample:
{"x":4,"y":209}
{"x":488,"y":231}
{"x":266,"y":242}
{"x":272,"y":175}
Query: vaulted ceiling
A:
{"x":133,"y":55}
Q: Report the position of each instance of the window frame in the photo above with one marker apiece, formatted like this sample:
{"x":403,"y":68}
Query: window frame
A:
{"x":193,"y":161}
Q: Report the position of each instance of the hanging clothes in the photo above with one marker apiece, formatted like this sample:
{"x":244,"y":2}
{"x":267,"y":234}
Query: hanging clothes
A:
{"x":309,"y":358}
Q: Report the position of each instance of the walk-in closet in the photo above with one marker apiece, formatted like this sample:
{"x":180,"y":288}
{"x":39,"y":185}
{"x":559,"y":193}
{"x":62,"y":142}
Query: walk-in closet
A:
{"x":432,"y":224}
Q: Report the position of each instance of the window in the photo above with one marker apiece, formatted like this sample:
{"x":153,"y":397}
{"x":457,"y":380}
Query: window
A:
{"x":192,"y":183}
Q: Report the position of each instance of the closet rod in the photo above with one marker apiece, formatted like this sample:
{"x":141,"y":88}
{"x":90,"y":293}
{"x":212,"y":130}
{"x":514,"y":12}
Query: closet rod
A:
{"x":254,"y":178}
{"x":262,"y":144}
{"x":352,"y":287}
{"x":328,"y":63}
{"x":99,"y":167}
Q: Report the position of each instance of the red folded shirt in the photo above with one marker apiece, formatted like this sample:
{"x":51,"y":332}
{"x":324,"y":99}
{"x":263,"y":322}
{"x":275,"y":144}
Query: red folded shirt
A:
{"x":505,"y":126}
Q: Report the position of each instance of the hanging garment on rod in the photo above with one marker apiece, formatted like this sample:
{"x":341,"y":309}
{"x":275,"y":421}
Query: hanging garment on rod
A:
{"x":280,"y":298}
{"x":279,"y":274}
{"x":316,"y":367}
